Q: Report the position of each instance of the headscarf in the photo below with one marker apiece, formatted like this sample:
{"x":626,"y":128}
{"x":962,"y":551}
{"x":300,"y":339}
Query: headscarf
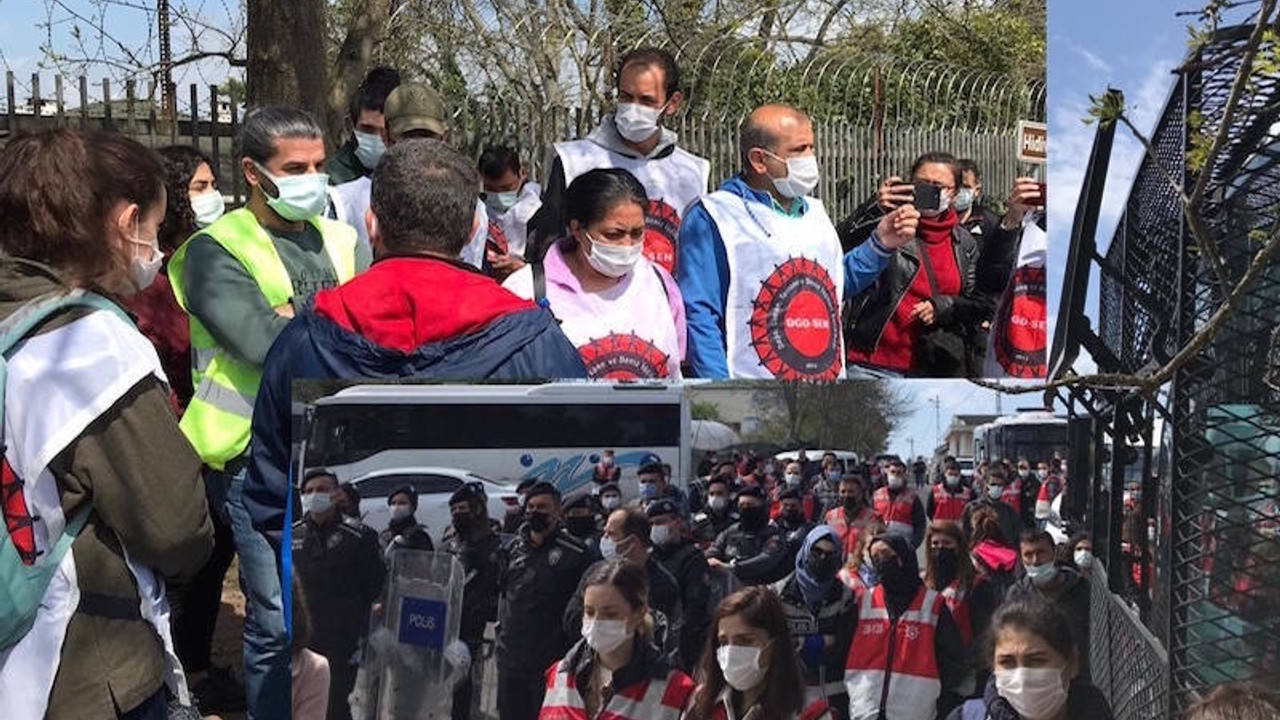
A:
{"x":814,"y":590}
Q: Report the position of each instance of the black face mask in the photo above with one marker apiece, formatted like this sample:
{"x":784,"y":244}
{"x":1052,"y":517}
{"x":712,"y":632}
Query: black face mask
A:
{"x":581,"y":526}
{"x":538,"y":522}
{"x":851,"y":503}
{"x":463,"y":523}
{"x":792,"y":518}
{"x":822,"y":567}
{"x":893,"y":575}
{"x":753,"y":518}
{"x":946,"y":564}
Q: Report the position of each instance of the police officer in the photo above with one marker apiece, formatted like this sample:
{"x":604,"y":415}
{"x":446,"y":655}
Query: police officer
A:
{"x":480,"y":551}
{"x":582,"y":519}
{"x":675,"y":551}
{"x":544,"y":567}
{"x":717,"y":514}
{"x":342,"y":574}
{"x":752,"y":549}
{"x":791,"y":521}
{"x":515,"y":515}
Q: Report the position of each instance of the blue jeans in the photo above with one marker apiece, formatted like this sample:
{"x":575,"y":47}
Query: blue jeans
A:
{"x":266,"y":639}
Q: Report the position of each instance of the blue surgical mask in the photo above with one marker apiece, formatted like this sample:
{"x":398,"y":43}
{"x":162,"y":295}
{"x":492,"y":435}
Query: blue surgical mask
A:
{"x":964,"y":199}
{"x":314,"y":503}
{"x":207,"y":207}
{"x":499,"y":203}
{"x":300,"y":196}
{"x":369,"y":149}
{"x":1042,"y":575}
{"x":995,"y":492}
{"x":648,"y":491}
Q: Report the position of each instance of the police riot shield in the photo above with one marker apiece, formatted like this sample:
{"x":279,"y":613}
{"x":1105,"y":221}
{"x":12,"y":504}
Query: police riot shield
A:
{"x":413,"y":658}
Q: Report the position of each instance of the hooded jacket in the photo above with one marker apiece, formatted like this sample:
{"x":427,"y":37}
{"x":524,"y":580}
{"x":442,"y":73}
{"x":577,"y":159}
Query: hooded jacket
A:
{"x":420,"y":317}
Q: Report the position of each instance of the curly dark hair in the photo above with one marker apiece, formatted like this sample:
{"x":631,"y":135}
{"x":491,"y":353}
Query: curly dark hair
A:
{"x":180,"y":164}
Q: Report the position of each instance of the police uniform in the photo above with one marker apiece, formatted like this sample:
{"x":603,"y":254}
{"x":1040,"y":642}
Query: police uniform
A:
{"x":537,"y":585}
{"x":707,"y":525}
{"x":342,"y":573}
{"x":755,"y":557}
{"x":483,"y":561}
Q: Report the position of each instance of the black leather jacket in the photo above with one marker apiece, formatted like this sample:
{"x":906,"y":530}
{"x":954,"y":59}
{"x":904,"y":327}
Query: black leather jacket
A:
{"x":867,"y":314}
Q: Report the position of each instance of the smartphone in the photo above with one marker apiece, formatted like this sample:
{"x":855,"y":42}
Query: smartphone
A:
{"x":926,"y":196}
{"x":1042,"y":202}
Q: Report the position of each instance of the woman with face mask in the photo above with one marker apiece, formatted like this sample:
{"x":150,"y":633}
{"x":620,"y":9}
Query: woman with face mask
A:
{"x":749,"y":670}
{"x":1034,"y":669}
{"x":403,"y":530}
{"x":816,"y":603}
{"x":615,"y":670}
{"x":623,"y":313}
{"x":915,"y":320}
{"x":102,"y":493}
{"x":1080,"y":552}
{"x":949,"y":571}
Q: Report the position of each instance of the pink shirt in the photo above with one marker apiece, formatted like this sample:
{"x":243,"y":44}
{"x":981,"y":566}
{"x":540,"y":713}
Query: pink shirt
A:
{"x":632,"y":330}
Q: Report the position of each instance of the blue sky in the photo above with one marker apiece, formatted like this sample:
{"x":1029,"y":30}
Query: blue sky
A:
{"x":1132,"y":45}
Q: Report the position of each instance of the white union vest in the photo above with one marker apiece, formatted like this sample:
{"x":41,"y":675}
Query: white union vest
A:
{"x":673,"y":183}
{"x":786,"y":284}
{"x":48,"y":372}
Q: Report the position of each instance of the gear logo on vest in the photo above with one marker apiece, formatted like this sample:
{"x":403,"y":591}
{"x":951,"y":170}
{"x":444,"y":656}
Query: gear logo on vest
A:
{"x":795,"y":322}
{"x":624,"y":356}
{"x":661,"y":231}
{"x":1020,"y":332}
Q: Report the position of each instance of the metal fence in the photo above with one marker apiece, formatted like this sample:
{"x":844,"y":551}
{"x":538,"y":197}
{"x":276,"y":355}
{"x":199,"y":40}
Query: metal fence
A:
{"x":1201,"y":560}
{"x":873,"y":116}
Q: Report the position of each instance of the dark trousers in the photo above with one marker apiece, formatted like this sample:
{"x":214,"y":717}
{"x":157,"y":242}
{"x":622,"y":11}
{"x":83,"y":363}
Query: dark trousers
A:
{"x":194,"y":604}
{"x":342,"y":680}
{"x":520,"y":695}
{"x":462,"y":699}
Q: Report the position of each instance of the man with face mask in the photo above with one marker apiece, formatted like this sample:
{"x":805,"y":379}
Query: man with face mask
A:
{"x":544,"y":567}
{"x":342,"y":573}
{"x":899,"y":506}
{"x":673,"y":548}
{"x":483,"y":559}
{"x":753,"y":549}
{"x":632,"y":139}
{"x":582,"y":519}
{"x":607,"y":470}
{"x":948,"y":498}
{"x":717,"y":514}
{"x":993,"y":497}
{"x":817,"y":606}
{"x":851,"y":516}
{"x":793,"y":479}
{"x":905,"y":621}
{"x":825,"y":484}
{"x":360,"y":154}
{"x":652,"y":484}
{"x":1027,"y":486}
{"x":791,"y":519}
{"x":975,"y":216}
{"x":762,"y":272}
{"x":403,"y":530}
{"x":239,"y":280}
{"x":510,"y":200}
{"x":1060,"y":584}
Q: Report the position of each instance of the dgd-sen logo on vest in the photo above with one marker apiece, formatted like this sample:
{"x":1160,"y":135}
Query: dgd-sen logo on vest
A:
{"x":795,"y":322}
{"x":661,"y":230}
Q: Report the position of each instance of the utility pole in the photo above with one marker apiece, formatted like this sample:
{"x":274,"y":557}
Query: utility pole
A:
{"x":937,"y":420}
{"x":912,"y":443}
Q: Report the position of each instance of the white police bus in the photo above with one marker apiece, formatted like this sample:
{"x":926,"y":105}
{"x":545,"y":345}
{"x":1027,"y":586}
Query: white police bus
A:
{"x":555,"y":432}
{"x":1032,"y":434}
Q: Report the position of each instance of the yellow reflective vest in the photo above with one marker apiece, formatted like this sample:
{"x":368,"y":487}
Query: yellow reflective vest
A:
{"x":217,"y":419}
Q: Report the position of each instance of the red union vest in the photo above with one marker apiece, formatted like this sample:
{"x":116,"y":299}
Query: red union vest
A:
{"x":673,"y":182}
{"x":648,"y":699}
{"x":849,"y":532}
{"x":786,"y":284}
{"x":957,"y":600}
{"x":901,"y":653}
{"x":1012,"y":495}
{"x":895,"y":512}
{"x":815,"y":710}
{"x":948,"y":505}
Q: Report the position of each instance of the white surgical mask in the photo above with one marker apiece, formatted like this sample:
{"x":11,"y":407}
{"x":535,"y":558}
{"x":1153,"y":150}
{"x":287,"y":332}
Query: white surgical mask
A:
{"x":605,"y":636}
{"x":1042,"y":575}
{"x":143,"y":271}
{"x":207,"y":207}
{"x":400,"y":512}
{"x":610,"y":502}
{"x":613,"y":260}
{"x":793,"y":479}
{"x":608,"y":548}
{"x":964,"y":199}
{"x":1042,"y":474}
{"x":952,"y":480}
{"x":636,"y":122}
{"x":895,"y":481}
{"x":801,"y":178}
{"x":1084,"y":559}
{"x":717,"y":503}
{"x":1036,"y":693}
{"x":316,"y":502}
{"x":300,"y":196}
{"x":740,"y":665}
{"x":369,"y":149}
{"x":500,"y":202}
{"x":661,"y":535}
{"x":995,"y":492}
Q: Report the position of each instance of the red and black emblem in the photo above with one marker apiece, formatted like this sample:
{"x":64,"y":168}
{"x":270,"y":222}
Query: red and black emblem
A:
{"x":624,"y":357}
{"x":661,"y":234}
{"x":1020,"y":333}
{"x":497,"y":240}
{"x":17,"y":518}
{"x":795,"y":322}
